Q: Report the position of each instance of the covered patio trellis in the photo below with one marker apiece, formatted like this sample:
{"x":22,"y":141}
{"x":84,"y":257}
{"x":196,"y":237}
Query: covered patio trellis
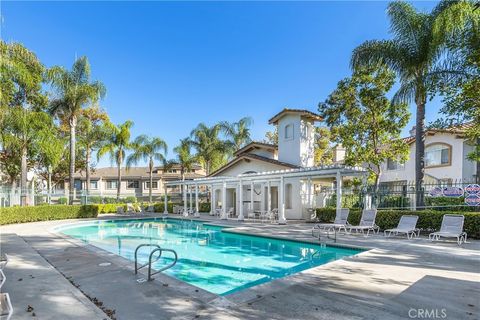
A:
{"x":267,"y":180}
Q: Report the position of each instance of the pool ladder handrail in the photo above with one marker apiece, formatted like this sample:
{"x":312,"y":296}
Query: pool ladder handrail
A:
{"x":150,"y":260}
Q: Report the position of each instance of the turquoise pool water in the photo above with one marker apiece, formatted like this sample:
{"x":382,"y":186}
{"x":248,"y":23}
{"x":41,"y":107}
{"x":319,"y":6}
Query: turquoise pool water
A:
{"x":216,"y":261}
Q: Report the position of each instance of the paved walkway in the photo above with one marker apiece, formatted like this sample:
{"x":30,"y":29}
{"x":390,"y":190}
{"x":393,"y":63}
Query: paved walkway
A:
{"x":32,"y":281}
{"x":394,"y":279}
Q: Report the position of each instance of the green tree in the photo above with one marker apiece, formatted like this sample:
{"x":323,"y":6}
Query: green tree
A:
{"x":21,"y":77}
{"x":149,"y":149}
{"x":94,"y":126}
{"x":51,"y":151}
{"x":238,"y":132}
{"x":116,"y":144}
{"x":22,"y":132}
{"x":323,"y":150}
{"x":73,"y":91}
{"x":184,"y":158}
{"x":210,"y":149}
{"x":365,"y":122}
{"x":415,"y":54}
{"x":271,"y":136}
{"x":460,"y":94}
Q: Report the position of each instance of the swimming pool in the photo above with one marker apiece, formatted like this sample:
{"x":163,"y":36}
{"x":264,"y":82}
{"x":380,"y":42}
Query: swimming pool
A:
{"x":216,"y":261}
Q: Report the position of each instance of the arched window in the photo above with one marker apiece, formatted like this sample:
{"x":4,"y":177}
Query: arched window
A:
{"x":289,"y":131}
{"x":288,"y":196}
{"x":438,"y":154}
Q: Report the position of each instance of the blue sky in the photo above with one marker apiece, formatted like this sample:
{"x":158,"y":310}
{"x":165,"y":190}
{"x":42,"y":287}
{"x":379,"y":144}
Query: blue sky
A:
{"x":170,"y":65}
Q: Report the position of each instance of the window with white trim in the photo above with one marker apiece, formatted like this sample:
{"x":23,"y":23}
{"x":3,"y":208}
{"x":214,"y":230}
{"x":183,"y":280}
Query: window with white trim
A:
{"x":438,"y":154}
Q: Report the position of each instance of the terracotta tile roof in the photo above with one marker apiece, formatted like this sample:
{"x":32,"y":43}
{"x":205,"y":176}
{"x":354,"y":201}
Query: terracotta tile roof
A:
{"x":256,"y":144}
{"x":134,"y":172}
{"x":255,"y":157}
{"x":302,"y":112}
{"x":457,"y":129}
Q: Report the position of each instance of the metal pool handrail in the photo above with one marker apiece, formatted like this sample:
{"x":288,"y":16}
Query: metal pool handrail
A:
{"x":150,"y":273}
{"x":149,"y":262}
{"x":150,"y":259}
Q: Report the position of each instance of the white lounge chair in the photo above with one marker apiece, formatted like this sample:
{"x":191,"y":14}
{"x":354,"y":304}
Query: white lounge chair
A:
{"x":231,"y":212}
{"x":367,"y":222}
{"x":2,"y":278}
{"x":341,"y":222}
{"x":3,"y":260}
{"x":120,"y":210}
{"x":452,"y":227}
{"x":406,"y":225}
{"x":6,"y":309}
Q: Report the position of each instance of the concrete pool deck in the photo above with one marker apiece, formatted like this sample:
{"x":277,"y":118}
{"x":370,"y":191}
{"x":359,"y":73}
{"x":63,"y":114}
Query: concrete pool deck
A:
{"x":397,"y":279}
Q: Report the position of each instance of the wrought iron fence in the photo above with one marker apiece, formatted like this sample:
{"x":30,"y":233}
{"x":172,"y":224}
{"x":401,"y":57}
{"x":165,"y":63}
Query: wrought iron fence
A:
{"x":450,"y":195}
{"x":10,"y":197}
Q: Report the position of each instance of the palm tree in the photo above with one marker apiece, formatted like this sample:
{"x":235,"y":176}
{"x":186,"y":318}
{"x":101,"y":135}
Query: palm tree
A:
{"x":148,"y":149}
{"x":185,"y":158}
{"x":23,"y":131}
{"x":74,"y":91}
{"x":94,"y":126}
{"x":415,"y":54}
{"x":208,"y":145}
{"x":116,"y":145}
{"x":238,"y":132}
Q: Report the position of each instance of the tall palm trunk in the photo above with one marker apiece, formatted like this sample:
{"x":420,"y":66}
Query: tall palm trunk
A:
{"x":478,"y":163}
{"x":151,"y":181}
{"x":23,"y":178}
{"x":420,"y":152}
{"x":119,"y":166}
{"x":88,"y":154}
{"x":49,"y":184}
{"x":73,"y":125}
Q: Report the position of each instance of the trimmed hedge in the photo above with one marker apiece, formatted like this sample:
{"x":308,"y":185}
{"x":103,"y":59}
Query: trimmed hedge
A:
{"x":43,"y":213}
{"x":428,"y":220}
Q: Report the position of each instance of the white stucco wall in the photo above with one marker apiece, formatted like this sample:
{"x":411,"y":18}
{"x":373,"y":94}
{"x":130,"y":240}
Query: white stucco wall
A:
{"x":289,"y":149}
{"x":264,"y":153}
{"x":253,"y":165}
{"x":460,"y":167}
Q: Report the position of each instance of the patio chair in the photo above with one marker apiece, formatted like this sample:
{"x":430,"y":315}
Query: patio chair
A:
{"x":120,"y":210}
{"x":341,"y":222}
{"x":148,"y":209}
{"x":367,"y":222}
{"x":3,"y":260}
{"x":2,"y":278}
{"x":406,"y":225}
{"x":452,"y":227}
{"x":6,"y":309}
{"x":130,"y":208}
{"x":231,"y":212}
{"x":251,"y":214}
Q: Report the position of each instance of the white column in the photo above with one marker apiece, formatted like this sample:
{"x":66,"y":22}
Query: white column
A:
{"x":309,"y":192}
{"x":165,"y":208}
{"x":251,"y":196}
{"x":281,"y":203}
{"x":240,"y":200}
{"x":269,"y":196}
{"x":185,"y":198}
{"x":339,"y":191}
{"x":197,"y":211}
{"x":224,"y":201}
{"x":212,"y":204}
{"x":191,"y":200}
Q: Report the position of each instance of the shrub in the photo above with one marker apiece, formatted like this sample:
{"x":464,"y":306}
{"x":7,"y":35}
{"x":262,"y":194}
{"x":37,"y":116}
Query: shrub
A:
{"x":62,"y":200}
{"x":449,"y":203}
{"x":47,"y":212}
{"x":130,"y":199}
{"x":95,"y":199}
{"x":428,"y":220}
